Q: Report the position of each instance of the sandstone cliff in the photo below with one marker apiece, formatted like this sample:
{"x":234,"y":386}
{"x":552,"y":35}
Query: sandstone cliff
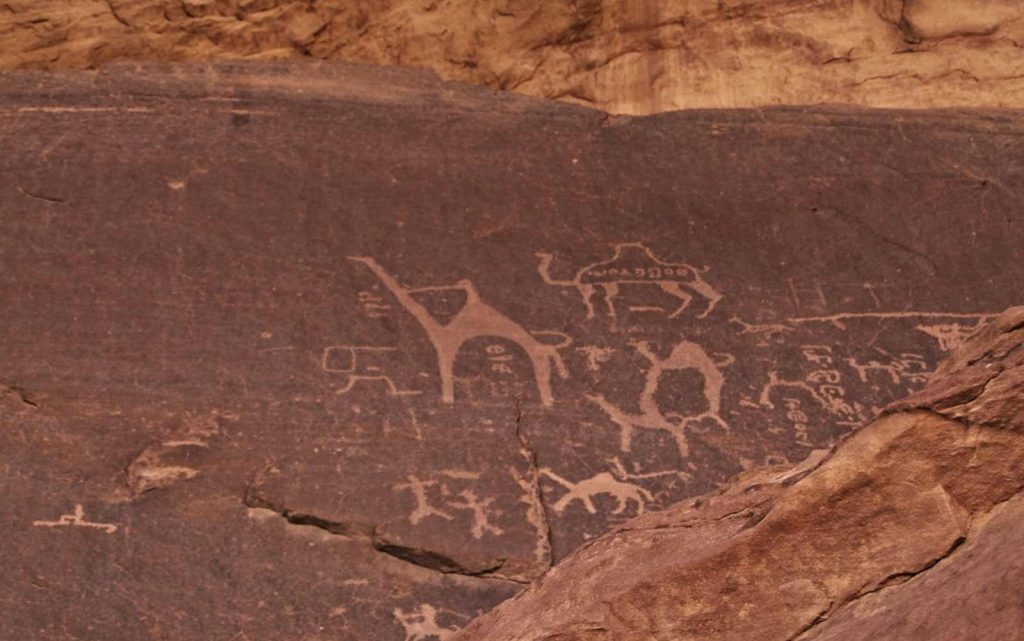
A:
{"x":342,"y":352}
{"x":623,"y":56}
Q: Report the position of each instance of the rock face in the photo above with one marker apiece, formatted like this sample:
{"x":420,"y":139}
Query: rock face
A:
{"x":625,"y":56}
{"x":318,"y":351}
{"x":912,"y":529}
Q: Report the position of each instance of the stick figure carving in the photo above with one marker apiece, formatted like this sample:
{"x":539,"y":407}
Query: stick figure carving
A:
{"x":423,"y":508}
{"x":830,"y":397}
{"x":421,"y":624}
{"x":635,"y":264}
{"x":475,"y":319}
{"x":77,"y":519}
{"x":481,"y":523}
{"x":684,"y":355}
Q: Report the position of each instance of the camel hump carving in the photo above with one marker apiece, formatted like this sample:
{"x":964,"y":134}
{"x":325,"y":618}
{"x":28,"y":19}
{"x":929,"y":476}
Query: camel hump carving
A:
{"x":635,"y":264}
{"x":475,"y":319}
{"x":685,"y":355}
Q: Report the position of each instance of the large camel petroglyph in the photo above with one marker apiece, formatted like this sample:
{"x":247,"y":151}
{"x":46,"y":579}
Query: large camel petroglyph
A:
{"x":634,"y":264}
{"x":475,"y":319}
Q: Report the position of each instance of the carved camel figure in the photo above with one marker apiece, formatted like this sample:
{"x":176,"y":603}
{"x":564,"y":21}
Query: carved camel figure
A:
{"x":475,"y":319}
{"x":634,"y":264}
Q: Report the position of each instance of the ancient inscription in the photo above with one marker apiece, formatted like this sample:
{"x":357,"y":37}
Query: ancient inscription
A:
{"x":448,"y":500}
{"x":634,"y":265}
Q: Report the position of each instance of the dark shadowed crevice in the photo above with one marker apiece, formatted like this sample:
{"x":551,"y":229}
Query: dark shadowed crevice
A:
{"x":367,"y":534}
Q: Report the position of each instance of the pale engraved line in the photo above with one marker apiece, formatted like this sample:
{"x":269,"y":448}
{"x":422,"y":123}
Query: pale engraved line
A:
{"x":77,"y":519}
{"x":848,"y":315}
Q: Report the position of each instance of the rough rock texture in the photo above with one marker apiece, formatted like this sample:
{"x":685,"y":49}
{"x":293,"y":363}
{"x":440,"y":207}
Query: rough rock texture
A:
{"x":625,"y":56}
{"x":913,"y":528}
{"x":332,"y":351}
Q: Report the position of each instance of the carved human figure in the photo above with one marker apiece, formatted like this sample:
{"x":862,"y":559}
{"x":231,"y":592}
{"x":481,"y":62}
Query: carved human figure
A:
{"x":634,"y":264}
{"x":423,"y":510}
{"x":475,"y":319}
{"x":420,"y":624}
{"x":684,"y":356}
{"x":469,"y":501}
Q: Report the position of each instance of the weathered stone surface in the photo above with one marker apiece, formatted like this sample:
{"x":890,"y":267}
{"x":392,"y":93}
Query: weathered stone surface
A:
{"x":232,"y":294}
{"x":625,"y":56}
{"x":911,"y":529}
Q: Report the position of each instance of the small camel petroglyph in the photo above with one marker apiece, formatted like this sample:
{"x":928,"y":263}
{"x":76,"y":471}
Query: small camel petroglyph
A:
{"x":475,"y":319}
{"x":635,"y":264}
{"x":608,"y":482}
{"x":421,"y":624}
{"x":76,"y":519}
{"x":685,"y":355}
{"x":466,"y":500}
{"x":373,"y":305}
{"x":359,"y":371}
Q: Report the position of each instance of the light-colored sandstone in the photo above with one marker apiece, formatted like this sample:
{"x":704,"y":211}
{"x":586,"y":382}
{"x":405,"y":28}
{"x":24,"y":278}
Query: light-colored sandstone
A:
{"x":625,"y":56}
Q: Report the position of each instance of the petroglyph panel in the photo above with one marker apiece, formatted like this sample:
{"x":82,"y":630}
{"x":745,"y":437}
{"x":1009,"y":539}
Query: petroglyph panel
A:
{"x":396,"y":346}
